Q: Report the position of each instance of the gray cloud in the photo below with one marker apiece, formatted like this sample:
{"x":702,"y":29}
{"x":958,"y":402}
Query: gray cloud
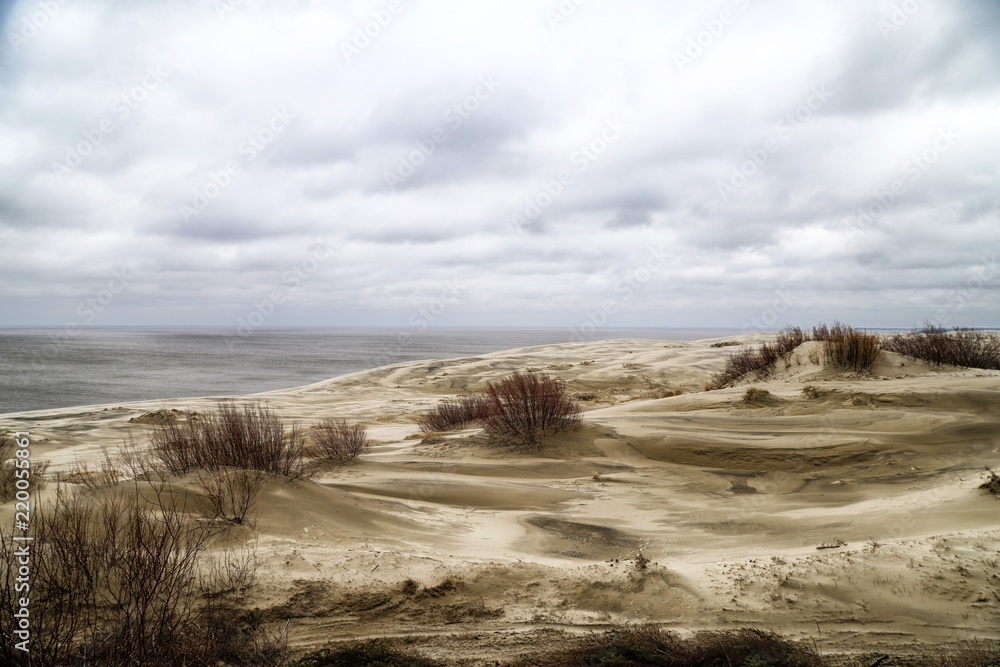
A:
{"x":207,"y":155}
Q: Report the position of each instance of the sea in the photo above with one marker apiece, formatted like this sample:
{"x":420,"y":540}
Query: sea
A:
{"x":44,"y":369}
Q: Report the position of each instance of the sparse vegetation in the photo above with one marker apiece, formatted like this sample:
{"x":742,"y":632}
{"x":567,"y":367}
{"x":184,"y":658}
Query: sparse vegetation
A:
{"x":756,"y":395}
{"x":961,"y":347}
{"x":117,"y":580}
{"x":522,"y":405}
{"x":456,"y":414}
{"x":251,"y":438}
{"x":851,"y":348}
{"x":337,"y":441}
{"x":749,"y":359}
{"x":516,"y":409}
{"x":651,"y":646}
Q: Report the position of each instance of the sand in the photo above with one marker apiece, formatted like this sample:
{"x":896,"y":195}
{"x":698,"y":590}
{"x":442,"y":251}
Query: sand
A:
{"x":730,"y":499}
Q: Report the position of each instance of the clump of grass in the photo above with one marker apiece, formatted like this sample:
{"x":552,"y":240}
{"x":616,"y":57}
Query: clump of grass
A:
{"x":522,"y":405}
{"x":756,"y":395}
{"x":852,"y":348}
{"x":649,"y":645}
{"x":337,"y":441}
{"x":374,"y":653}
{"x":749,"y":359}
{"x":251,"y":438}
{"x":961,"y":347}
{"x":456,"y":414}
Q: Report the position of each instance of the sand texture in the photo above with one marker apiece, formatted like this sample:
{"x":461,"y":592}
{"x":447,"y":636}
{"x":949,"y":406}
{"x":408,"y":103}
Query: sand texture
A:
{"x":728,"y":497}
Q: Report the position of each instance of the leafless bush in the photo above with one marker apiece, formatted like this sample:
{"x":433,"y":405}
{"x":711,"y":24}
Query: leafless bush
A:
{"x":992,"y":483}
{"x":521,"y":405}
{"x":961,"y":347}
{"x":852,"y":348}
{"x":821,"y":332}
{"x":337,"y":441}
{"x":14,"y":470}
{"x":231,"y":493}
{"x":116,"y":579}
{"x":251,"y":438}
{"x":749,"y":359}
{"x":456,"y":414}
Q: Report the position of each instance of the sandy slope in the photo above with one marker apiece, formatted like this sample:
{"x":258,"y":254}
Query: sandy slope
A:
{"x":728,"y":498}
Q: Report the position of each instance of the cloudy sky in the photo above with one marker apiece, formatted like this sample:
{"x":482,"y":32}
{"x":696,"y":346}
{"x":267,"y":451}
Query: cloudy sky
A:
{"x":464,"y":162}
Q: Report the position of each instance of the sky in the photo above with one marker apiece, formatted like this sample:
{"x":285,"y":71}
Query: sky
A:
{"x":580,"y":163}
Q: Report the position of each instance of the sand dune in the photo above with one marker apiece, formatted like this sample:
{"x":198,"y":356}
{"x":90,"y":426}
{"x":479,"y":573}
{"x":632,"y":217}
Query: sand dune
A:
{"x":729,"y":497}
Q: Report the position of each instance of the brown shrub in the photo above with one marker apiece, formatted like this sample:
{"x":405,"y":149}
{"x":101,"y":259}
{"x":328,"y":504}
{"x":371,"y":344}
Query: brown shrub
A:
{"x":852,"y":348}
{"x":754,"y":360}
{"x":961,"y":347}
{"x":337,"y":441}
{"x":116,"y":580}
{"x":253,"y":438}
{"x":456,"y":414}
{"x":522,"y":405}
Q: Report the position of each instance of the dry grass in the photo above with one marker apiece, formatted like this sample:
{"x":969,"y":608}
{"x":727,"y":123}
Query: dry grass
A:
{"x":251,"y":438}
{"x":339,"y":442}
{"x":523,"y":405}
{"x":961,"y":347}
{"x":117,"y":580}
{"x":456,"y":414}
{"x":852,"y":348}
{"x":757,"y":360}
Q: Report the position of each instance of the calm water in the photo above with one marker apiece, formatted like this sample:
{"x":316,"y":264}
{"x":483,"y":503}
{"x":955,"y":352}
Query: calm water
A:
{"x":47,"y":368}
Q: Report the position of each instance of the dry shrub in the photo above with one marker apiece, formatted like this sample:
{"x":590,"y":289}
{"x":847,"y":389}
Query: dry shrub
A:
{"x":810,"y":391}
{"x":522,"y":405}
{"x":251,"y":438}
{"x":961,"y":347}
{"x":756,"y":395}
{"x":754,"y":360}
{"x":642,"y":645}
{"x":852,"y":348}
{"x":12,"y":470}
{"x":821,"y":332}
{"x":231,"y":493}
{"x":337,"y":441}
{"x":992,"y":483}
{"x":116,"y":580}
{"x":456,"y":414}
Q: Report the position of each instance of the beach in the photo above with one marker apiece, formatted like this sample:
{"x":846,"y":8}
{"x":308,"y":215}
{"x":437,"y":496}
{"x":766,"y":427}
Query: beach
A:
{"x":830,"y":506}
